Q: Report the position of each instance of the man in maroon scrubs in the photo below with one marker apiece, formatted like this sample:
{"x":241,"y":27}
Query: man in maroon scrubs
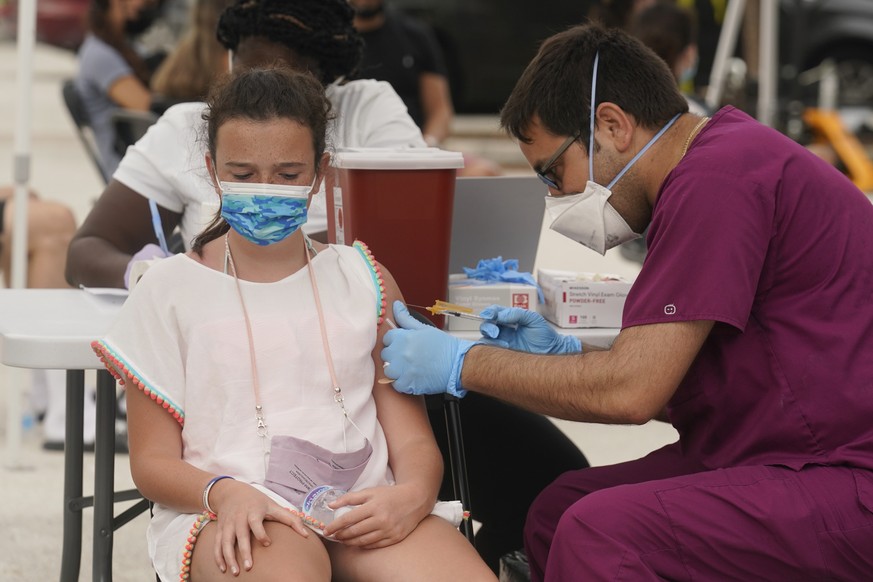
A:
{"x":749,"y":328}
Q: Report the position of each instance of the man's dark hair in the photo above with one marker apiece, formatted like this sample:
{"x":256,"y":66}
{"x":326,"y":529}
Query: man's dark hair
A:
{"x":556,"y":85}
{"x":319,"y":30}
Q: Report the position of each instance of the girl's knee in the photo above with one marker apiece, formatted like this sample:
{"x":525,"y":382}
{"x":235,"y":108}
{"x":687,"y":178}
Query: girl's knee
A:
{"x":435,"y":550}
{"x":289,"y":558}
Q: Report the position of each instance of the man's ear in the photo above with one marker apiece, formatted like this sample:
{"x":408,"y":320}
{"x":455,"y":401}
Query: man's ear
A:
{"x":615,"y":125}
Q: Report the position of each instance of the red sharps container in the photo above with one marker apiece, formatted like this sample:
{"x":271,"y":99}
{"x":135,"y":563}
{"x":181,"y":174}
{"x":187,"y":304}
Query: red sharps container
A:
{"x":398,"y":202}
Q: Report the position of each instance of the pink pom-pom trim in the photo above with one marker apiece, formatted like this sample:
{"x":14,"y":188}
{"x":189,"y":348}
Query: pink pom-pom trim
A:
{"x":114,"y":365}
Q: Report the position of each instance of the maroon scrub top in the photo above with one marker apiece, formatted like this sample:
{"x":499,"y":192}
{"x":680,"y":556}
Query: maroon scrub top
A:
{"x":777,"y":249}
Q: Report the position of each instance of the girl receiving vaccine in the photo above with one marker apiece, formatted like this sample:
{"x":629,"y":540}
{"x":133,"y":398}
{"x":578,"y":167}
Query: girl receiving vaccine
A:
{"x":256,"y":424}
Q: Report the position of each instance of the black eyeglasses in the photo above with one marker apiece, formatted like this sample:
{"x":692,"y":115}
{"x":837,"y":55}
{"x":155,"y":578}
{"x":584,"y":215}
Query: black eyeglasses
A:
{"x":541,"y":174}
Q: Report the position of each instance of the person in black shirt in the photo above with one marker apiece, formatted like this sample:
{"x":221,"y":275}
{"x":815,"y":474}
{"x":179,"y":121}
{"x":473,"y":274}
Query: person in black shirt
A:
{"x":404,"y":52}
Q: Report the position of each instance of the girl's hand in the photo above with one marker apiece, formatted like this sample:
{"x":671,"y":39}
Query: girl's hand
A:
{"x":241,"y":511}
{"x":383,"y":516}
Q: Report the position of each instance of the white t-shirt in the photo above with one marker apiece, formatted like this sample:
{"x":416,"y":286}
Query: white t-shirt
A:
{"x":182,"y":337}
{"x":167,"y":165}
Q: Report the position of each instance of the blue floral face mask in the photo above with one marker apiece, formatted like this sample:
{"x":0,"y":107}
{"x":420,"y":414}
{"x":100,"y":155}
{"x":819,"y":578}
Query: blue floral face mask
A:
{"x":264,"y":213}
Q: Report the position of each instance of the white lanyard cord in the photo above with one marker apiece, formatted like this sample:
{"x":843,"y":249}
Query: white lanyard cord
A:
{"x":337,"y":390}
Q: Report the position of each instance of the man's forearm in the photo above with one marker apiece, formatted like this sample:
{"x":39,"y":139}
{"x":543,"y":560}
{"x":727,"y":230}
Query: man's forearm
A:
{"x":630,"y":383}
{"x":562,"y":386}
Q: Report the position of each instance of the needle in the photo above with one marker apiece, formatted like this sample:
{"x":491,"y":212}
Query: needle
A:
{"x":454,"y":313}
{"x":462,"y":315}
{"x":438,"y":310}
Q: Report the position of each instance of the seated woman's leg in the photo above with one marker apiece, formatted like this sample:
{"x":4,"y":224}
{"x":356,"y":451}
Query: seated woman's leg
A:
{"x":434,"y":552}
{"x":569,"y":488}
{"x":50,"y":227}
{"x":289,"y":558}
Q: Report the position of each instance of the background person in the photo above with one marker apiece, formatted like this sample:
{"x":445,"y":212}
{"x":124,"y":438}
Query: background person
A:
{"x":189,"y":70}
{"x":671,"y":32}
{"x":111,"y":73}
{"x":745,"y":328}
{"x":404,"y":51}
{"x":315,"y":303}
{"x":617,"y":13}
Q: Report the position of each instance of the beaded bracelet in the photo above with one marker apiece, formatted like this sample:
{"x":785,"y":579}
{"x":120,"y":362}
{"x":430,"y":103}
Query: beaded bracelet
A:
{"x":208,"y":488}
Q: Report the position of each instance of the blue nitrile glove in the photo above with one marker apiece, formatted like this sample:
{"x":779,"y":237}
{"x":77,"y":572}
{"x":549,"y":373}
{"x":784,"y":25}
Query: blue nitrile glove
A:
{"x":531,"y":332}
{"x":422,"y":359}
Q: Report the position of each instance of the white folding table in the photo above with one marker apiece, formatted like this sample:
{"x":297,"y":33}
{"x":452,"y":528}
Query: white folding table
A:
{"x":53,"y":329}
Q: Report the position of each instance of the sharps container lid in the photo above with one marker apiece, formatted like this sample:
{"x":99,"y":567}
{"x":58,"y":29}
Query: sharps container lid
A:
{"x":396,"y":159}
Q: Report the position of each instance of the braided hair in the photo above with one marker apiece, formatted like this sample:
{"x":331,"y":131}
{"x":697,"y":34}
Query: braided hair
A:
{"x":320,"y":30}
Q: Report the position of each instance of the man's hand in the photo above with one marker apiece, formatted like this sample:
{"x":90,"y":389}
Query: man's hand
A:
{"x":420,"y":359}
{"x":524,"y":331}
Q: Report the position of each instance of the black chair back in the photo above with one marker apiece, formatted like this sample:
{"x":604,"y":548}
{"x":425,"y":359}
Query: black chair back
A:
{"x":76,"y":108}
{"x":129,"y":126}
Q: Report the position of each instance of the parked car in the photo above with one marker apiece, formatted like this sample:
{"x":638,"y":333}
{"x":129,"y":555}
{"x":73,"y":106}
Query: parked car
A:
{"x":60,"y":23}
{"x":63,"y":23}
